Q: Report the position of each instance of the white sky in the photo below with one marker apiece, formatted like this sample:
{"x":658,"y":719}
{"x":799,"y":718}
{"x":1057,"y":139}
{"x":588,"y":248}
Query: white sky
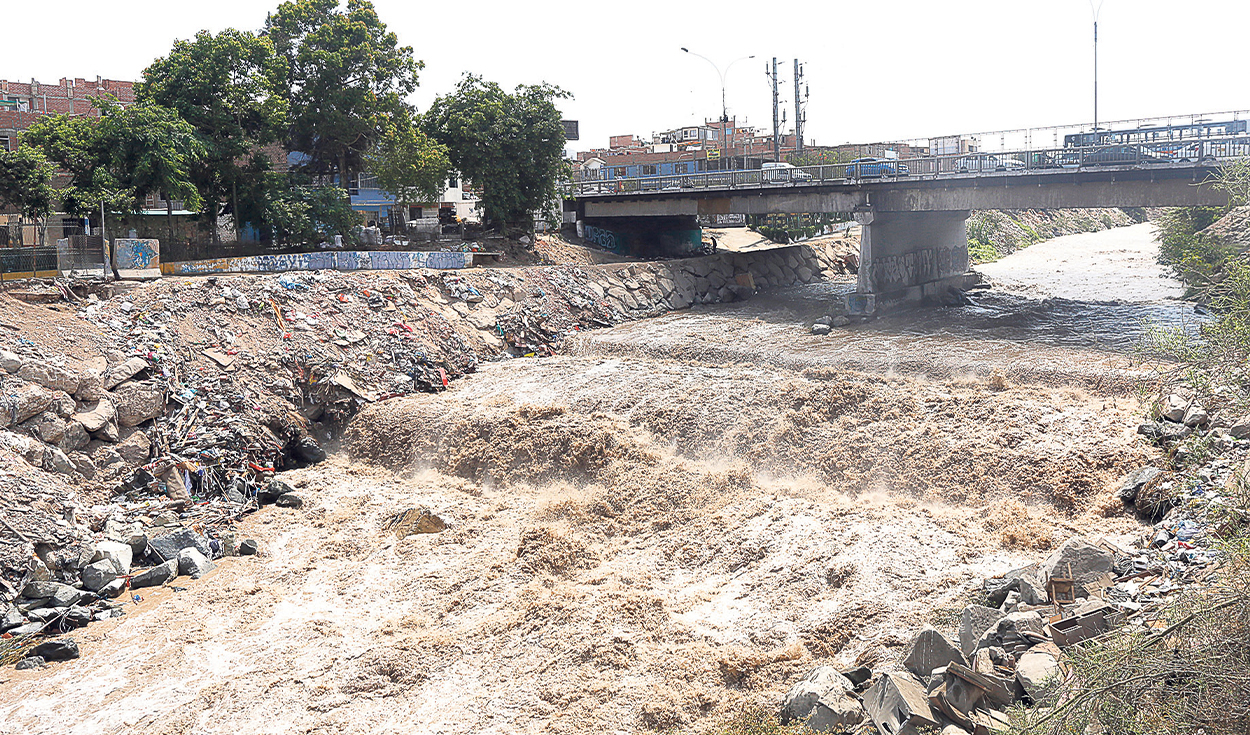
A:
{"x":877,"y":69}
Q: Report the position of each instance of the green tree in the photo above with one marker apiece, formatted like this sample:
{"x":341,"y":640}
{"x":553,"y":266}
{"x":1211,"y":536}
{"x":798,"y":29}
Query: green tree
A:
{"x":510,"y":145}
{"x":409,"y":164}
{"x":347,"y":76}
{"x":26,"y":182}
{"x":287,"y":210}
{"x":120,"y":157}
{"x":229,"y":87}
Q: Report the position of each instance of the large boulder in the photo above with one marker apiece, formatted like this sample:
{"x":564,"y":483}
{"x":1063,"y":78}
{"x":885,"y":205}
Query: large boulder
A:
{"x":10,"y":617}
{"x":139,"y":402}
{"x":125,"y":371}
{"x":168,"y":546}
{"x":10,"y":362}
{"x":75,"y":437}
{"x":61,"y":649}
{"x":1135,"y":481}
{"x":156,"y":576}
{"x":1079,"y":561}
{"x":194,"y":564}
{"x":134,"y":446}
{"x":1039,"y":672}
{"x":973,"y":622}
{"x":49,"y":376}
{"x":98,"y":574}
{"x":120,"y":554}
{"x":54,"y":593}
{"x":823,"y":701}
{"x":90,"y":386}
{"x":26,"y":402}
{"x":46,"y":427}
{"x":930,"y":650}
{"x":95,"y":416}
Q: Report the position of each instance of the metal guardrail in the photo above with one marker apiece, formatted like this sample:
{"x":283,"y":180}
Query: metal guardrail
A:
{"x":1146,"y":155}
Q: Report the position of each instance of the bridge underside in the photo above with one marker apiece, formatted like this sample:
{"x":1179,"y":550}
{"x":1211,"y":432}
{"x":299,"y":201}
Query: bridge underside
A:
{"x":914,"y":241}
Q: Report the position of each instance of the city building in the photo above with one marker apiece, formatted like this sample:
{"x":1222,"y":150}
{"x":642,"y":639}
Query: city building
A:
{"x":22,"y":103}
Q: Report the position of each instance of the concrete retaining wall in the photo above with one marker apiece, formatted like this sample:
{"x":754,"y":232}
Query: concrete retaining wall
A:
{"x":342,"y":260}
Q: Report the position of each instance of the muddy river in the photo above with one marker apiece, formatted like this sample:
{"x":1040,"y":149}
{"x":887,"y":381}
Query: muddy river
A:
{"x":679,"y":520}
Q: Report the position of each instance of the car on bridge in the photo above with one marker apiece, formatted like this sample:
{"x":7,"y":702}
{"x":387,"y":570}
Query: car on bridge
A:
{"x":783,"y":173}
{"x":985,"y":163}
{"x":1119,"y":155}
{"x":869,"y":167}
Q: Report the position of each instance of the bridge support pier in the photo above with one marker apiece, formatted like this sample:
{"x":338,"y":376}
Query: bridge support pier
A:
{"x":910,"y":256}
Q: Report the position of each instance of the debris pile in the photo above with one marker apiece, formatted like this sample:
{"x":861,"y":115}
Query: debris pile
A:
{"x":1012,"y":650}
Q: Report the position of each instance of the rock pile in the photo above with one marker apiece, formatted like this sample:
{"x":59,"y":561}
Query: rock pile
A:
{"x":1013,"y":652}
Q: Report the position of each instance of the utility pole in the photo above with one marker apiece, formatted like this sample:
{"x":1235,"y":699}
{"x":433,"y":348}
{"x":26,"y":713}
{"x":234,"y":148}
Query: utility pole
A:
{"x":798,"y":108}
{"x":1096,"y":11}
{"x":776,"y":120}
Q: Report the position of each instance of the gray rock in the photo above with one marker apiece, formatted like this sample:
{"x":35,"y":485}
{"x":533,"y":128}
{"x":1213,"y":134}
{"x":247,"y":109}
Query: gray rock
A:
{"x":124,"y":372}
{"x":289,"y":500}
{"x":11,"y":617}
{"x":57,"y":594}
{"x":27,"y":629}
{"x":74,"y":437}
{"x":1173,"y":408}
{"x":840,"y":321}
{"x":1135,"y":481}
{"x":1013,"y":633}
{"x":1241,"y":428}
{"x":10,"y":362}
{"x":168,"y":546}
{"x":823,"y":701}
{"x":1026,"y":581}
{"x":1087,"y":563}
{"x":973,"y":622}
{"x":49,"y":376}
{"x":30,"y":662}
{"x":134,"y":446}
{"x":95,"y":416}
{"x":193,"y":564}
{"x":249,"y":547}
{"x":27,"y":401}
{"x":90,"y":386}
{"x":139,"y":402}
{"x":47,"y":427}
{"x":1196,"y":416}
{"x":44,"y":614}
{"x":113,"y":589}
{"x":60,"y":649}
{"x":156,"y":576}
{"x":117,"y":552}
{"x":129,"y":533}
{"x":61,"y":463}
{"x":83,"y":464}
{"x":97,"y":574}
{"x":1039,"y":673}
{"x":930,"y":650}
{"x":820,"y":329}
{"x":77,"y":616}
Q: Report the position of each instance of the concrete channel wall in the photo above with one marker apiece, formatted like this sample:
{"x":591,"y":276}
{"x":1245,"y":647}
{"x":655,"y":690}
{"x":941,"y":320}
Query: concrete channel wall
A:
{"x":342,"y":260}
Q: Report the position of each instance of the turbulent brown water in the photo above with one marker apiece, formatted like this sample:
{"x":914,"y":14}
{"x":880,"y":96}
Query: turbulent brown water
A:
{"x":681,"y":519}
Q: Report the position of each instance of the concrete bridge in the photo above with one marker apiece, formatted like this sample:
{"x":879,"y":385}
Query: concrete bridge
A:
{"x":914,"y":211}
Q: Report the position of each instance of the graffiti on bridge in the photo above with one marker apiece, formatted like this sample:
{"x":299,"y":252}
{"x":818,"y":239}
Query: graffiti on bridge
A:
{"x":606,"y":239}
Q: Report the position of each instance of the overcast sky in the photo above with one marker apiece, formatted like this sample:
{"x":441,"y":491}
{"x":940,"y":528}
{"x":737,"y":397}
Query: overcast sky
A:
{"x":876,"y":69}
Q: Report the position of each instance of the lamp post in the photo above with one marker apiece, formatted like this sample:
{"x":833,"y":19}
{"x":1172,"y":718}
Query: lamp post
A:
{"x":1096,"y":11}
{"x":724,"y":109}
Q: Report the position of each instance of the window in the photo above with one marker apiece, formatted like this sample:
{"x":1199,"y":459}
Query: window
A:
{"x":618,"y":172}
{"x":4,"y":142}
{"x":681,"y":168}
{"x":453,"y":181}
{"x":366,"y":181}
{"x":648,"y":170}
{"x":690,"y":133}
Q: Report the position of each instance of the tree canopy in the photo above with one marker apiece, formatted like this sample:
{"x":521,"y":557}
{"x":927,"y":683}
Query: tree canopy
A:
{"x":409,"y":164}
{"x":511,"y":145}
{"x":347,"y":77}
{"x":121,"y":156}
{"x":26,"y":182}
{"x":230,"y":88}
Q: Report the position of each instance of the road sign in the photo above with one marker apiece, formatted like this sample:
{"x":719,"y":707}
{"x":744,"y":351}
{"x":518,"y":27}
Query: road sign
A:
{"x":713,"y":155}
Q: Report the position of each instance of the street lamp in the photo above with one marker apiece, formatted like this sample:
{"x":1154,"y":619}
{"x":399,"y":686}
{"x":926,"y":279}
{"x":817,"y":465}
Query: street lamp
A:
{"x":1096,"y":11}
{"x":724,"y":109}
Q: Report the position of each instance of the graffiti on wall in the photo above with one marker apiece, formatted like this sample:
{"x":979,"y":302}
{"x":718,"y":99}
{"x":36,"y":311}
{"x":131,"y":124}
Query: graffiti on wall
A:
{"x":894,"y":272}
{"x":136,"y":255}
{"x":722,"y":220}
{"x":349,"y":260}
{"x":606,"y":239}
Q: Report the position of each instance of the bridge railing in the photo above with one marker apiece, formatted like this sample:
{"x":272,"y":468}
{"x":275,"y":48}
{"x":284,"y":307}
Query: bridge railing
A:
{"x":1208,"y":151}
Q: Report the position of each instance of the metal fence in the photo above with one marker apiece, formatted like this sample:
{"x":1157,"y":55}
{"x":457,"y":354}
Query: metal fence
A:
{"x":79,"y":255}
{"x":1181,"y":153}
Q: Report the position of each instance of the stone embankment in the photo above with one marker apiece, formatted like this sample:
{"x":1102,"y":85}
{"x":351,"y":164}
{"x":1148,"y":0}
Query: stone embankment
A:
{"x":137,"y":428}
